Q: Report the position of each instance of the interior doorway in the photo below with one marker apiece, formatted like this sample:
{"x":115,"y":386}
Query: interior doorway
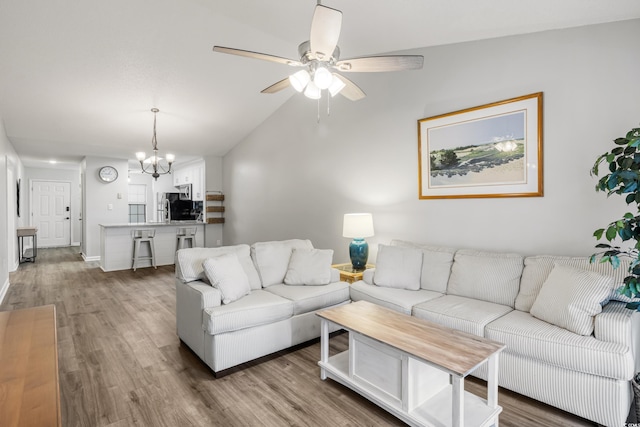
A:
{"x":51,"y":212}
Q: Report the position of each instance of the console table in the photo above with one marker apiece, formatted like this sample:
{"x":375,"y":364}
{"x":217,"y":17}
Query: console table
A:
{"x":412,"y":368}
{"x":29,"y":388}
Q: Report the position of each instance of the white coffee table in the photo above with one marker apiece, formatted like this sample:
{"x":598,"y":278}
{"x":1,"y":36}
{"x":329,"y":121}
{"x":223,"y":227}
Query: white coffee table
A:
{"x":410,"y":367}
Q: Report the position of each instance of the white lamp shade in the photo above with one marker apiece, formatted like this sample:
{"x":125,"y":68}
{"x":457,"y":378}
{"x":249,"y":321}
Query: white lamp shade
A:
{"x":322,"y":78}
{"x":299,"y":80}
{"x":336,"y":86}
{"x":357,"y":225}
{"x":170,"y":158}
{"x":312,"y":91}
{"x":140,"y":156}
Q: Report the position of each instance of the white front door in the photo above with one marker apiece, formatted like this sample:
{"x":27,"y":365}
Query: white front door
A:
{"x":50,"y":206}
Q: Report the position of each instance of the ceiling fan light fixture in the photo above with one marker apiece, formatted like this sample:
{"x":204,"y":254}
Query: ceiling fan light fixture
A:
{"x":322,"y":78}
{"x":299,"y":80}
{"x":312,"y":91}
{"x":336,"y":85}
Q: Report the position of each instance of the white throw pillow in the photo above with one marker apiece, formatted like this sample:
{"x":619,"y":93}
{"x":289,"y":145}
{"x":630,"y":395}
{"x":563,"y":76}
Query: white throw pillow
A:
{"x":225,"y":272}
{"x":309,"y":267}
{"x":570,"y":297}
{"x":398,"y":267}
{"x":272,"y":258}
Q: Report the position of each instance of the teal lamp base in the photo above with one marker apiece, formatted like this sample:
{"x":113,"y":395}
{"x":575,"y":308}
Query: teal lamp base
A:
{"x":359,"y":253}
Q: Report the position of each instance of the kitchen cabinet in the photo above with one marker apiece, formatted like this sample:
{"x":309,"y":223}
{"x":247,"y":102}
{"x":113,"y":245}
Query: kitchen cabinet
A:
{"x":191,"y":174}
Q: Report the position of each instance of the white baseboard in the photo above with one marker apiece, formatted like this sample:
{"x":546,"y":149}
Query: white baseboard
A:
{"x":3,"y":290}
{"x":90,"y":258}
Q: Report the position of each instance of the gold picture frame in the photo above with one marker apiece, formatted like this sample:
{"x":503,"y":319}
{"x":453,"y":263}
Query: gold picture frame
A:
{"x":494,"y":150}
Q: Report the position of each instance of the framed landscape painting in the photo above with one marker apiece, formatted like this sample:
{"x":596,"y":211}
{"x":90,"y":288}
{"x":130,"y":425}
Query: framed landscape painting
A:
{"x":493,"y":150}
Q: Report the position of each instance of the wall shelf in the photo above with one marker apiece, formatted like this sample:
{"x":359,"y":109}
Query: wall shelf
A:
{"x":214,"y":208}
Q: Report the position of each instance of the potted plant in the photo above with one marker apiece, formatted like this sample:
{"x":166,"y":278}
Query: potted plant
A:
{"x":623,"y":178}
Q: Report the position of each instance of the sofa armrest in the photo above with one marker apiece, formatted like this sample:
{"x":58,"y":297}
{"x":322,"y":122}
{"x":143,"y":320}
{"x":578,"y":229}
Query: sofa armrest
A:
{"x":621,"y":325}
{"x":335,"y":275}
{"x":191,"y":299}
{"x":367,"y":276}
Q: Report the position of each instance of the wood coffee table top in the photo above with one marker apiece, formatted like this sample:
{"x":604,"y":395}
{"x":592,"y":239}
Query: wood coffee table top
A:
{"x":29,"y":390}
{"x":455,"y":351}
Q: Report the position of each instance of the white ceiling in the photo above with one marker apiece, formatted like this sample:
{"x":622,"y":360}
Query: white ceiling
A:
{"x":79,"y":77}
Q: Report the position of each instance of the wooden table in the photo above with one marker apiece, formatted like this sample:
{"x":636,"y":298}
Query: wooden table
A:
{"x":349,"y":274}
{"x":29,"y":389}
{"x":412,"y":368}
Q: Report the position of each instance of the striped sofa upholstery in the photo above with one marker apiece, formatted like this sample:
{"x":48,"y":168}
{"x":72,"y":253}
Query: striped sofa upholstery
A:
{"x":491,"y":295}
{"x":272,"y":317}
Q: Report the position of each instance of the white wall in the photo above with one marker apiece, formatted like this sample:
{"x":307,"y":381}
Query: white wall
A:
{"x":55,"y":174}
{"x":10,"y":167}
{"x":98,"y":198}
{"x":293,"y":177}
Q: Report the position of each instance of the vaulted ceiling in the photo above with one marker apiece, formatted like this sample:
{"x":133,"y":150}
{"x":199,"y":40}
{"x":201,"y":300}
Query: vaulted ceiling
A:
{"x":79,"y":78}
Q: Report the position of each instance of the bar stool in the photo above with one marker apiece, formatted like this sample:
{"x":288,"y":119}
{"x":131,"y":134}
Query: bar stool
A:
{"x":139,"y":236}
{"x":186,"y":233}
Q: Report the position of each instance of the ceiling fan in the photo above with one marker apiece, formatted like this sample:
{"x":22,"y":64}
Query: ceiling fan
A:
{"x":320,"y":59}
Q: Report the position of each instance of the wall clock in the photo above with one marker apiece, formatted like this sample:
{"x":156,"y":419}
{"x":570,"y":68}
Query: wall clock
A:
{"x":108,"y":173}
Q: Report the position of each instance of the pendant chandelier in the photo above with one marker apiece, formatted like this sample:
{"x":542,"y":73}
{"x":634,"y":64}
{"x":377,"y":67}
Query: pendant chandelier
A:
{"x":155,"y":165}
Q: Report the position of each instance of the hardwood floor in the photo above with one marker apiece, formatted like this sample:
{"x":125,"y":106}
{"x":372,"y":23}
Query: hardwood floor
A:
{"x":121,"y":363}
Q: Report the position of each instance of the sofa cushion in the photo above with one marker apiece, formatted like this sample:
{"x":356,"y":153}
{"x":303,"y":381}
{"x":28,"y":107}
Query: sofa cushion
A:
{"x":436,"y":265}
{"x":189,"y":263}
{"x":272,"y":259}
{"x":309,"y":267}
{"x":537,"y":269}
{"x":486,"y":276}
{"x":401,"y":300}
{"x":464,"y":314}
{"x":398,"y":267}
{"x":226,"y":273}
{"x":526,"y":336}
{"x":309,"y":298}
{"x":570,"y":297}
{"x":258,"y":308}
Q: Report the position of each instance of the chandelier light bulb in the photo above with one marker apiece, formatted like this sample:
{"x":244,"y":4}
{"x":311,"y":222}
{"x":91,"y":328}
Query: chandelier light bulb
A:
{"x":170,"y":158}
{"x":322,"y":78}
{"x":312,"y":91}
{"x":336,"y":85}
{"x":299,"y":80}
{"x":140,"y":156}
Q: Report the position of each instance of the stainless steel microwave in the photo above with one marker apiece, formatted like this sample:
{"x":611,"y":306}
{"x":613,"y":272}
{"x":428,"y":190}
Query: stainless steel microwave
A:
{"x":185,"y":191}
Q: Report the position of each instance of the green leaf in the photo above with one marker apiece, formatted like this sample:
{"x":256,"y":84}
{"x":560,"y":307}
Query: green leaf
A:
{"x":629,"y":215}
{"x":615,"y":261}
{"x":633,"y":306}
{"x":598,"y":233}
{"x":621,"y":141}
{"x":630,"y":198}
{"x":611,"y":233}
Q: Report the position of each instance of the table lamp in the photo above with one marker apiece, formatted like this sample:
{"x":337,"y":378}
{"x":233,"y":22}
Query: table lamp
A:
{"x":358,"y":226}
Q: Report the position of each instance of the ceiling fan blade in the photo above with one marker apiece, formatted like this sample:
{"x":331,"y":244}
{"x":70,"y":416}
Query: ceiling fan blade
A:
{"x":325,"y":32}
{"x":351,"y":90}
{"x":277,"y":87}
{"x":257,"y":55}
{"x":374,"y":64}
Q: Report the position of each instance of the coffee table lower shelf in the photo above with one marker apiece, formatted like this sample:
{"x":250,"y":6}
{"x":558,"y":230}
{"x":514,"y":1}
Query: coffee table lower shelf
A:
{"x":435,"y":411}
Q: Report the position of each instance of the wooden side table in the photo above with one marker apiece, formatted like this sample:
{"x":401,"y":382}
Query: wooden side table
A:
{"x":348,"y":274}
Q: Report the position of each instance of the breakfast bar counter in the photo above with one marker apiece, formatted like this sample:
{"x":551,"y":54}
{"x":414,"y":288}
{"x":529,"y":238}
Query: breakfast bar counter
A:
{"x":116,"y":243}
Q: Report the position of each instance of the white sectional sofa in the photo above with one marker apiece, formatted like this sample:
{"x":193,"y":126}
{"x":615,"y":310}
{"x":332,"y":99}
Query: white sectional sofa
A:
{"x":237,"y":303}
{"x":568,"y":342}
